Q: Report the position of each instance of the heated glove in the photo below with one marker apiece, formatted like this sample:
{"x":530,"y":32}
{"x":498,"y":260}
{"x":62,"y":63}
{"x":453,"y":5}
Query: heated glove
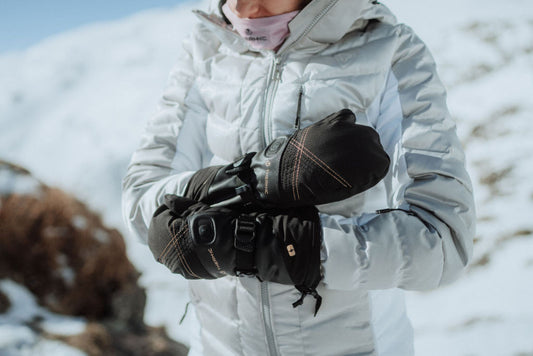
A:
{"x":203,"y":242}
{"x":328,"y":161}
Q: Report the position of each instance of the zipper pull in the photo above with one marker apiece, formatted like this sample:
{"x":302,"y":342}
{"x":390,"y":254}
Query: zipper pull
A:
{"x":276,"y":73}
{"x":299,"y":107}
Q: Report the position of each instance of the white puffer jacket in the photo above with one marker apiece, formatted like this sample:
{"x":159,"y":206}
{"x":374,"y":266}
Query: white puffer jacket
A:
{"x":412,"y":231}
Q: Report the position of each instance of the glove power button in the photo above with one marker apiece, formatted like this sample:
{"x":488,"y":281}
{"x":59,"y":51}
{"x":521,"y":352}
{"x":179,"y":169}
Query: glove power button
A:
{"x":203,"y":230}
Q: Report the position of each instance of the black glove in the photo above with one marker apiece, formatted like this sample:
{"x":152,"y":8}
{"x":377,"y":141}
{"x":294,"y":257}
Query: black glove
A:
{"x":203,"y":242}
{"x":328,"y":161}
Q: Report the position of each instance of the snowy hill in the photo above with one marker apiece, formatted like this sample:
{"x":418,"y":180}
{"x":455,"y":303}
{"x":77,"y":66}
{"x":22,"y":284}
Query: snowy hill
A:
{"x":72,"y":109}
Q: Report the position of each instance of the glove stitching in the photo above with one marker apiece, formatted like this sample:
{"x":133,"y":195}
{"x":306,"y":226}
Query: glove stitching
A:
{"x":166,"y":250}
{"x":299,"y":160}
{"x":322,"y":164}
{"x":180,"y":252}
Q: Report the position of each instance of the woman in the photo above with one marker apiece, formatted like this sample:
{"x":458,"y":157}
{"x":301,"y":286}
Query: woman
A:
{"x":256,"y":70}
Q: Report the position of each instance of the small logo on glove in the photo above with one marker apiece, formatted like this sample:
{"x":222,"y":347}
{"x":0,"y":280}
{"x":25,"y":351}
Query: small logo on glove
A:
{"x":267,"y":174}
{"x":214,"y":259}
{"x":291,"y":251}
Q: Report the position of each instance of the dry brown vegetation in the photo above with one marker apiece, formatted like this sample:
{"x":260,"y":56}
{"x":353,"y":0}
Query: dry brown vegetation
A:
{"x":61,"y":251}
{"x":53,"y":245}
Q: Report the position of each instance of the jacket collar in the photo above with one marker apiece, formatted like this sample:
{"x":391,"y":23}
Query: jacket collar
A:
{"x":319,"y":24}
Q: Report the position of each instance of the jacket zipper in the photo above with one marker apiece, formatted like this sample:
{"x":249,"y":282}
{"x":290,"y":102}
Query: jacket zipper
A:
{"x":274,"y":77}
{"x":272,"y":85}
{"x":273,"y":81}
{"x":267,"y":320}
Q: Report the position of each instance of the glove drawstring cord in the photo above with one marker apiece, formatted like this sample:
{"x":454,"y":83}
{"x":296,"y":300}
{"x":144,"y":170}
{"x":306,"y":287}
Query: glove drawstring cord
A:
{"x":242,"y":170}
{"x":308,"y":291}
{"x":242,"y":166}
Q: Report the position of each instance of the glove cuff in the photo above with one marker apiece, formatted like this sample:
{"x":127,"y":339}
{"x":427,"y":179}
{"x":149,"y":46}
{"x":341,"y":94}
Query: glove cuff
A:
{"x":168,"y":242}
{"x":265,"y":166}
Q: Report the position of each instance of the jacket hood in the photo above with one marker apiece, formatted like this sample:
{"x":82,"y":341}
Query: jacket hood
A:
{"x":319,"y":24}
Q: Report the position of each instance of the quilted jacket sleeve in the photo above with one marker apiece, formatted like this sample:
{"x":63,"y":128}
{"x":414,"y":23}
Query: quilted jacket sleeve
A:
{"x":424,"y":237}
{"x":172,"y":147}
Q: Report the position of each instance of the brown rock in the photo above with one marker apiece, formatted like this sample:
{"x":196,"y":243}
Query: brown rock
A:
{"x":60,"y":250}
{"x":99,"y":339}
{"x":95,"y":340}
{"x":4,"y":303}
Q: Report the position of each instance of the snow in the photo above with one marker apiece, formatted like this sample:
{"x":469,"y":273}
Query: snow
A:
{"x":72,"y":109}
{"x":487,"y":312}
{"x":11,"y":183}
{"x":16,"y":334}
{"x":65,"y":271}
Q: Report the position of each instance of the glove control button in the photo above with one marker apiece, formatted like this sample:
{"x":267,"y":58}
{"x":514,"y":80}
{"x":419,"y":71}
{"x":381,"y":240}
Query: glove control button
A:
{"x":203,"y":230}
{"x":274,"y":147}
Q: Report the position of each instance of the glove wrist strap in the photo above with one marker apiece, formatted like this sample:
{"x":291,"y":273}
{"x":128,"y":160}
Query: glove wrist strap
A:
{"x":244,"y":243}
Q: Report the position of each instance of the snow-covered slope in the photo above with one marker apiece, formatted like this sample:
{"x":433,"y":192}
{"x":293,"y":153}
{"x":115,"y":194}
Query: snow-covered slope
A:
{"x":72,"y":109}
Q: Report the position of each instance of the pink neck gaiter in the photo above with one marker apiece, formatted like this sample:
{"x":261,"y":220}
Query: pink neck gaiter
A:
{"x":262,"y":32}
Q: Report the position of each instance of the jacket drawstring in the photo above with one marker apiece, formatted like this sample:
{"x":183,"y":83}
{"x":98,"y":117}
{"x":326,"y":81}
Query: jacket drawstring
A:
{"x":184,"y":313}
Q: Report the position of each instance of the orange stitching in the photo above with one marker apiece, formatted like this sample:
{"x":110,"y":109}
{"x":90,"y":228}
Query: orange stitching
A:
{"x":311,"y":154}
{"x":325,"y":167}
{"x":300,"y":151}
{"x":182,"y":257}
{"x":174,"y":236}
{"x":179,"y":251}
{"x":177,"y":246}
{"x":321,"y":164}
{"x":185,"y":262}
{"x":293,"y":173}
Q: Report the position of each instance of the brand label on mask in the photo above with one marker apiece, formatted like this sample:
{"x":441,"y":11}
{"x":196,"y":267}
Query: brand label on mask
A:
{"x":262,"y":32}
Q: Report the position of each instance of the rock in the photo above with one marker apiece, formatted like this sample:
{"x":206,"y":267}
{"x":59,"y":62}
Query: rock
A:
{"x":95,"y":340}
{"x":61,"y":251}
{"x":4,"y":303}
{"x":101,"y":340}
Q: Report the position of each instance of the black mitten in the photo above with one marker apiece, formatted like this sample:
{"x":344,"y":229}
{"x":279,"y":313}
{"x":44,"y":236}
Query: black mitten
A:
{"x":203,"y":242}
{"x":328,"y":161}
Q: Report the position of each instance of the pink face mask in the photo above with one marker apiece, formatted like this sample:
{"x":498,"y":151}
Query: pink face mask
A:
{"x":262,"y":32}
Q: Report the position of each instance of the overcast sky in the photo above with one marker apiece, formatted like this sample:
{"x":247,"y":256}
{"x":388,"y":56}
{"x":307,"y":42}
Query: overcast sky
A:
{"x":26,"y":22}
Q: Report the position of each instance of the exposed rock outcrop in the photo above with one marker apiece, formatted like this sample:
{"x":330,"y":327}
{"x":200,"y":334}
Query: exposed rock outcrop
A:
{"x":4,"y":303}
{"x":60,"y":250}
